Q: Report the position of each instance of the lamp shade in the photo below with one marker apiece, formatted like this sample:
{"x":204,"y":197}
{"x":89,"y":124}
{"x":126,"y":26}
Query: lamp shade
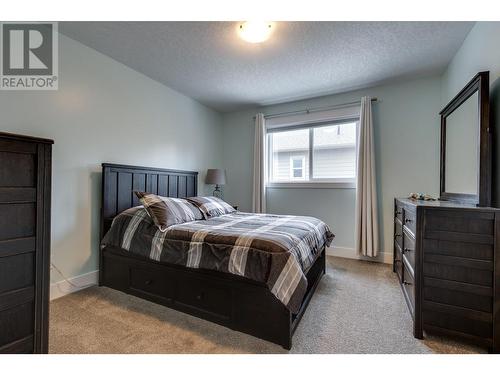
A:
{"x":216,"y":177}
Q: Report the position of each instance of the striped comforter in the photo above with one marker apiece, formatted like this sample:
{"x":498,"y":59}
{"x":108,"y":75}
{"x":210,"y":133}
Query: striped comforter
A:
{"x":275,"y":250}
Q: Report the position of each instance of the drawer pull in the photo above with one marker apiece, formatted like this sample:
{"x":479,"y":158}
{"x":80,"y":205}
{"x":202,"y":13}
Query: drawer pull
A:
{"x":199,"y":297}
{"x":148,"y":282}
{"x":408,"y":220}
{"x":406,"y":283}
{"x":405,"y":250}
{"x":399,"y":212}
{"x":397,"y":235}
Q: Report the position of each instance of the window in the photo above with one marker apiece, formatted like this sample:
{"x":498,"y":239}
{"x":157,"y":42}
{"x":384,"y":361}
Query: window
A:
{"x":297,"y":167}
{"x":320,"y":153}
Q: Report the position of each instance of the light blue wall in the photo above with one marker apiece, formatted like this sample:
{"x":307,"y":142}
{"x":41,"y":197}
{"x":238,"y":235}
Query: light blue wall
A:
{"x":105,"y":112}
{"x":406,"y":125}
{"x":480,"y":51}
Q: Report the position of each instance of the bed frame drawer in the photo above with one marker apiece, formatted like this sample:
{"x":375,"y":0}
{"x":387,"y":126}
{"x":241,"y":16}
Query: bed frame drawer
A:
{"x":154,"y":283}
{"x":206,"y":296}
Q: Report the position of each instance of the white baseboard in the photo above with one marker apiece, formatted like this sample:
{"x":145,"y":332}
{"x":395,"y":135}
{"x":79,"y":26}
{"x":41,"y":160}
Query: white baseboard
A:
{"x":347,"y":252}
{"x":63,"y":287}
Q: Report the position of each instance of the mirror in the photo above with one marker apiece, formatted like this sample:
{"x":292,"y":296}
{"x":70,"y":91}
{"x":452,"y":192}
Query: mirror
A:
{"x":465,"y":145}
{"x":462,"y":148}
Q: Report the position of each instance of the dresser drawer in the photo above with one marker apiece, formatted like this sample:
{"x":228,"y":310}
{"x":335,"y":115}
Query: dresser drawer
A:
{"x":410,"y":220}
{"x":455,"y":294}
{"x":17,"y":272}
{"x":22,"y":346}
{"x":398,"y":267}
{"x":409,"y":288}
{"x":409,"y":251}
{"x":18,"y":168}
{"x":16,"y":323}
{"x":474,"y":328}
{"x":398,"y":211}
{"x":437,"y":268}
{"x":206,"y":296}
{"x":398,"y":233}
{"x":17,"y":220}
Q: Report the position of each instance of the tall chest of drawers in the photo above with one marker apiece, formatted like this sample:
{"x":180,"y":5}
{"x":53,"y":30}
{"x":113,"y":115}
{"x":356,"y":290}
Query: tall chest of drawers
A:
{"x":447,"y":261}
{"x":25,"y":181}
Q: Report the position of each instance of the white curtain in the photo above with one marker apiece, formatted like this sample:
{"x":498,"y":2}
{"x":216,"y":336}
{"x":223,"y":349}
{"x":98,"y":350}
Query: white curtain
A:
{"x":259,"y":166}
{"x":366,"y":226}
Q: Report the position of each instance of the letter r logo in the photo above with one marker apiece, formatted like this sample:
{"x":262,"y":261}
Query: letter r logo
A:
{"x":27,"y":49}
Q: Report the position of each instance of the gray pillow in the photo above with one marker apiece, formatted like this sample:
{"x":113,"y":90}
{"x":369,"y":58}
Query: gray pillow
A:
{"x":168,"y":211}
{"x":211,"y":206}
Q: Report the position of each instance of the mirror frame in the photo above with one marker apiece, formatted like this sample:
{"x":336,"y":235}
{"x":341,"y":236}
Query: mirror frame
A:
{"x":479,"y":84}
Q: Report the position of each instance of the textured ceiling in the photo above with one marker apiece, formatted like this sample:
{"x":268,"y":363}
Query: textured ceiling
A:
{"x":208,"y":62}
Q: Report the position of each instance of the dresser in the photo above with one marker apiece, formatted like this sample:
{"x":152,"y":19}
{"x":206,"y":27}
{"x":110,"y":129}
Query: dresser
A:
{"x":25,"y":180}
{"x":448,"y":265}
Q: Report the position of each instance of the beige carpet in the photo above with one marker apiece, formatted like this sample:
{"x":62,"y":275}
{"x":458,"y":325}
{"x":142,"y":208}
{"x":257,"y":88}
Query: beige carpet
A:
{"x":357,"y":308}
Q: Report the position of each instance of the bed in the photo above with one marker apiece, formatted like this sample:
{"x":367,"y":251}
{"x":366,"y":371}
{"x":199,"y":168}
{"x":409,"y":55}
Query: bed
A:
{"x":246,"y":301}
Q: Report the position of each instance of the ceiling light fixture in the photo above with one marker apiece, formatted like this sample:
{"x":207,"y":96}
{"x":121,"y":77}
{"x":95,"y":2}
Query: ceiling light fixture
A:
{"x":255,"y":31}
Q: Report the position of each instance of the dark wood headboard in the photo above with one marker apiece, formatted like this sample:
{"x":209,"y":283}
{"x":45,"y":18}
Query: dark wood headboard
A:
{"x":120,"y":181}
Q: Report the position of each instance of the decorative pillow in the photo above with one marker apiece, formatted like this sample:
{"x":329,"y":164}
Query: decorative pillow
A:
{"x":211,"y":206}
{"x":168,"y":211}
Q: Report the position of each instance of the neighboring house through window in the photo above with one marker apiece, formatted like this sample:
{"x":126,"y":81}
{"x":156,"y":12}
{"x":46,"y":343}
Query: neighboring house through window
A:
{"x":297,"y":167}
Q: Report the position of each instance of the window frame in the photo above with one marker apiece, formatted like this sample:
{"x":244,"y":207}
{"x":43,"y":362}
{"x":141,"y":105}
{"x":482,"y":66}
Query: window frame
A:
{"x":325,"y":183}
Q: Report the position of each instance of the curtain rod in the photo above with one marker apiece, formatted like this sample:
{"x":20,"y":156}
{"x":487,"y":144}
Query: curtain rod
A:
{"x":317,"y":109}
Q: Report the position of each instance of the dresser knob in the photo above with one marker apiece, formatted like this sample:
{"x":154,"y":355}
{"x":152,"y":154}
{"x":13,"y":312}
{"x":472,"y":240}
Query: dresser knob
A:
{"x":406,"y":283}
{"x":408,"y":220}
{"x":397,"y":235}
{"x":148,"y":282}
{"x":399,"y":212}
{"x":199,"y":297}
{"x":405,"y":250}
